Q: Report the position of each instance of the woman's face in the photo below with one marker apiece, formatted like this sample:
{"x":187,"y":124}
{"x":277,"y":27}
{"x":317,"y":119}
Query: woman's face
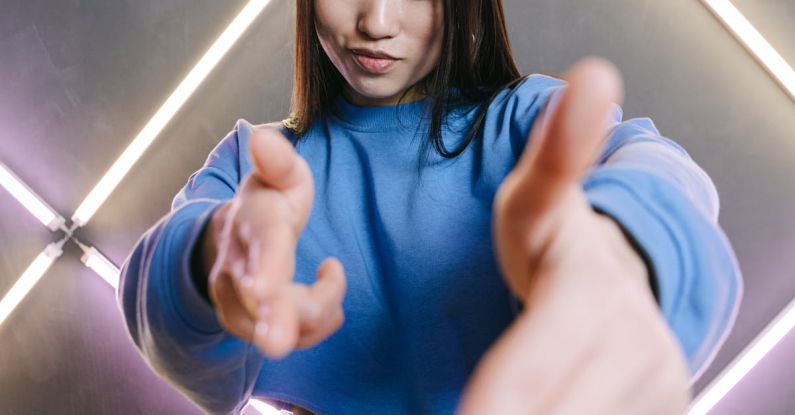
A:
{"x":381,"y":47}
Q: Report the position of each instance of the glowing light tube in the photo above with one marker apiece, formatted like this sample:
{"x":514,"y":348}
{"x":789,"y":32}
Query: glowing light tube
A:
{"x":745,"y":32}
{"x":163,"y":116}
{"x":28,"y":280}
{"x":742,"y":364}
{"x":761,"y":49}
{"x":33,"y":203}
{"x":263,"y":408}
{"x":101,"y":265}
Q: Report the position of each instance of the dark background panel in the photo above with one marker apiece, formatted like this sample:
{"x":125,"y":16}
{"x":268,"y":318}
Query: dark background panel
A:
{"x":253,"y":83}
{"x":80,"y":79}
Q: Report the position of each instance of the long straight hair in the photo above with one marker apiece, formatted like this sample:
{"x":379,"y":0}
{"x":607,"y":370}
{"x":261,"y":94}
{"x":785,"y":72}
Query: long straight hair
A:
{"x":476,"y":62}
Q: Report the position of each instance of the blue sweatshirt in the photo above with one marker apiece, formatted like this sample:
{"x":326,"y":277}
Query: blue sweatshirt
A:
{"x":425,"y":297}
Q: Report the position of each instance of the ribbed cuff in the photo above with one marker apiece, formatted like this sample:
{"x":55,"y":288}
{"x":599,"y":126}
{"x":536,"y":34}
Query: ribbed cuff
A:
{"x":643,"y":225}
{"x":696,"y":271}
{"x":647,"y":261}
{"x":192,"y":307}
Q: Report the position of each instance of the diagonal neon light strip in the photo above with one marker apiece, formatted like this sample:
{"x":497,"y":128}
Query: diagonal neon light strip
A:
{"x":263,"y":408}
{"x":782,"y":72}
{"x":163,"y":116}
{"x":30,"y":200}
{"x":100,"y":264}
{"x":745,"y":32}
{"x":28,"y":280}
{"x":742,"y":364}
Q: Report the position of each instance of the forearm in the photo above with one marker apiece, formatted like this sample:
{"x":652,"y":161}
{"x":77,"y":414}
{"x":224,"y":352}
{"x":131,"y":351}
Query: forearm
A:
{"x":173,"y":326}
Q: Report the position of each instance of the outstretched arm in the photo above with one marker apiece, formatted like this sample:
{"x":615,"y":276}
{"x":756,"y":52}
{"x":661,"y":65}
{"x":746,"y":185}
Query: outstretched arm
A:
{"x":170,"y":321}
{"x":573,"y":221}
{"x":209,"y":290}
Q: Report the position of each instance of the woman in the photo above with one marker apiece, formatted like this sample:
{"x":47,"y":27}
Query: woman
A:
{"x":406,"y":151}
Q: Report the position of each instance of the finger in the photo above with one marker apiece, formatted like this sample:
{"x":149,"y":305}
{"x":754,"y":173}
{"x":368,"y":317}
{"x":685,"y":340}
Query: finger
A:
{"x":569,"y":136}
{"x":320,"y":313}
{"x":276,"y":165}
{"x":329,"y":289}
{"x":271,"y":264}
{"x":296,"y":198}
{"x":231,"y":313}
{"x":274,"y":158}
{"x":276,"y":330}
{"x":330,"y":325}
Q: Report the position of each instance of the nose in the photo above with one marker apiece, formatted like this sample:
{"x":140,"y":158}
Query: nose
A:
{"x":380,"y":19}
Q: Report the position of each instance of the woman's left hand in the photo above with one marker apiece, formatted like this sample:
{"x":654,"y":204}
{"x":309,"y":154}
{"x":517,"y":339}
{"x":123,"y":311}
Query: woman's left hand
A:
{"x":590,"y":338}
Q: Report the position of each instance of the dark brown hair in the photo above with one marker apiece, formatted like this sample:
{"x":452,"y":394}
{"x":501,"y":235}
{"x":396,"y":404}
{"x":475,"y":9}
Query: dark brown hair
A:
{"x":476,"y":62}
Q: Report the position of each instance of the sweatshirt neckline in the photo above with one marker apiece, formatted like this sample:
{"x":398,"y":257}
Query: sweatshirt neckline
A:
{"x":382,"y":118}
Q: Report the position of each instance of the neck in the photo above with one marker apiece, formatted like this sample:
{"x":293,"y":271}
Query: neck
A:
{"x":358,"y":99}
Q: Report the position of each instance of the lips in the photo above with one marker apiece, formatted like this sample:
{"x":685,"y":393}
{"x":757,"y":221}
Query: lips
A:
{"x":372,"y":61}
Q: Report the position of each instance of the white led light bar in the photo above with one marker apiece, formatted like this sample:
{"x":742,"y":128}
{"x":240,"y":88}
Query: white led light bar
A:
{"x":29,"y":278}
{"x":755,"y":42}
{"x":742,"y":364}
{"x":263,"y":408}
{"x":163,"y":116}
{"x":100,"y":264}
{"x":32,"y":202}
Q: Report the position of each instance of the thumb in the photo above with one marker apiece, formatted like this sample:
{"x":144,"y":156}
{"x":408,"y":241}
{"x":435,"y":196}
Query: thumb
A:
{"x":566,"y":139}
{"x":275,"y":162}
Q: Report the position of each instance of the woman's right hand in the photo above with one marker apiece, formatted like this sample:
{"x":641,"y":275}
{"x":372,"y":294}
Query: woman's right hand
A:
{"x":253,"y":255}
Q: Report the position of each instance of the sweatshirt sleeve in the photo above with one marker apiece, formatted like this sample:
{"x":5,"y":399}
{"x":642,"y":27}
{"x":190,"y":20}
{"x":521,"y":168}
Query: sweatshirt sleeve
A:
{"x":668,"y":208}
{"x":171,"y":323}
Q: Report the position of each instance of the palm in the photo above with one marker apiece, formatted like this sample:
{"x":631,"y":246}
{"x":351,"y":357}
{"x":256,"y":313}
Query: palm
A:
{"x":251,"y":283}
